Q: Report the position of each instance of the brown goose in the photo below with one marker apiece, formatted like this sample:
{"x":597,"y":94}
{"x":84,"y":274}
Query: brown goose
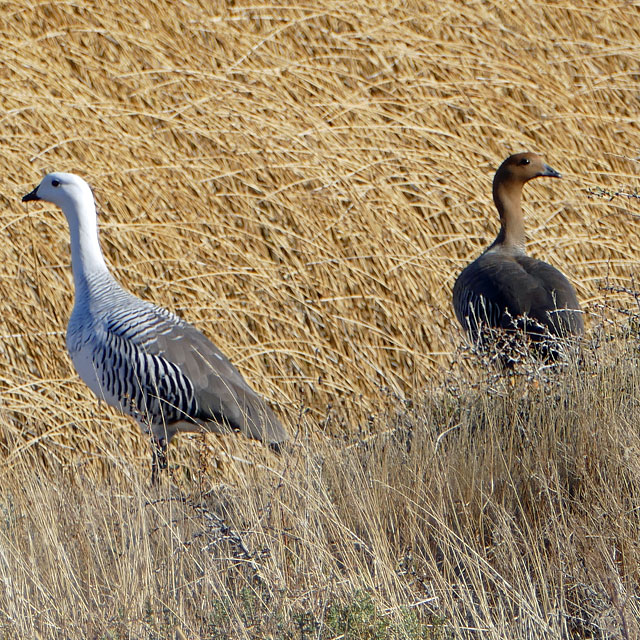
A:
{"x":506,"y":289}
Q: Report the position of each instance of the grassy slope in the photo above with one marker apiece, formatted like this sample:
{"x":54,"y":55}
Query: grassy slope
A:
{"x":511,"y":515}
{"x":304,"y":183}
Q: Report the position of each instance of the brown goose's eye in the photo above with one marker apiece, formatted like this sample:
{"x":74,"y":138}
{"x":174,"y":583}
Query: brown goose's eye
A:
{"x":524,"y":161}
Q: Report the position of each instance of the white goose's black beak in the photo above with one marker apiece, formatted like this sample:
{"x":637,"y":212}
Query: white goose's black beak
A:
{"x":31,"y":196}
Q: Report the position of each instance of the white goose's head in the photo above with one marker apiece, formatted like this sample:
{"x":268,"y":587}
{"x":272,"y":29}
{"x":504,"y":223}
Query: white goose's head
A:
{"x":74,"y":196}
{"x":65,"y":190}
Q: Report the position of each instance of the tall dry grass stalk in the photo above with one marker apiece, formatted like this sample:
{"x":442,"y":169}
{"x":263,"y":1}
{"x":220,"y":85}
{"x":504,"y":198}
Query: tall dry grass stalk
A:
{"x":304,"y":182}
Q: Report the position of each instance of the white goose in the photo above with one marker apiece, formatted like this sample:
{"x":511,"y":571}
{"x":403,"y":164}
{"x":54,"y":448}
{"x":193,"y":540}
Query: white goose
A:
{"x":141,"y":358}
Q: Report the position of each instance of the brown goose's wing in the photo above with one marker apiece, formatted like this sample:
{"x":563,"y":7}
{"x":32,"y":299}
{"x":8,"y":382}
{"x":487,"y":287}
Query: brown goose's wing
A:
{"x":496,"y":290}
{"x":558,"y":308}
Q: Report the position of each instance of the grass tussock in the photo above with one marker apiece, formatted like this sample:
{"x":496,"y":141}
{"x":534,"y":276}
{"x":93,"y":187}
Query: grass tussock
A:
{"x":304,"y":182}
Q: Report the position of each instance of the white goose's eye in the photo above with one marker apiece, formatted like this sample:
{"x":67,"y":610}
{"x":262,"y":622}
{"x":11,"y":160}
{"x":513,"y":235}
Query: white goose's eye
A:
{"x":55,"y":183}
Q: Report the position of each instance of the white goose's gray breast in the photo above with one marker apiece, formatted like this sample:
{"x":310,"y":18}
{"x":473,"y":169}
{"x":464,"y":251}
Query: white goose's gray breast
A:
{"x":111,"y":346}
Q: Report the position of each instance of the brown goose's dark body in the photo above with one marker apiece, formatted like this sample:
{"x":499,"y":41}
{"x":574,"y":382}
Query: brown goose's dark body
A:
{"x":498,"y":290}
{"x":506,"y":289}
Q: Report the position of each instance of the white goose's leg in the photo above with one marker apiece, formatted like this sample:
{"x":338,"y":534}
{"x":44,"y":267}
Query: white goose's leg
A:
{"x":158,"y":457}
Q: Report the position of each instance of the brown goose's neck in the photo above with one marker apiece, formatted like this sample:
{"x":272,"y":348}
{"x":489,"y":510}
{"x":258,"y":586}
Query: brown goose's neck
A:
{"x":507,"y":196}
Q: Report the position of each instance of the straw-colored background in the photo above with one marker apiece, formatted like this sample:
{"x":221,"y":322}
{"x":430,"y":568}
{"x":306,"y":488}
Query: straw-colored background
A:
{"x":303,"y":183}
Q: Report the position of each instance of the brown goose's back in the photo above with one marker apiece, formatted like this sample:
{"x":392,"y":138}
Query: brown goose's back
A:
{"x":499,"y":291}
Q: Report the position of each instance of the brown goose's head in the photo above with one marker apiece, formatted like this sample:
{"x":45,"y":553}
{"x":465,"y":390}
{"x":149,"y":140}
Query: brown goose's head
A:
{"x":510,"y":177}
{"x":522,"y":167}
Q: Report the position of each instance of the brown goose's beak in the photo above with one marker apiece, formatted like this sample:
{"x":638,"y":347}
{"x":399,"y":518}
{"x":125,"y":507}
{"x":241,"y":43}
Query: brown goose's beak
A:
{"x":31,"y":196}
{"x":548,"y":172}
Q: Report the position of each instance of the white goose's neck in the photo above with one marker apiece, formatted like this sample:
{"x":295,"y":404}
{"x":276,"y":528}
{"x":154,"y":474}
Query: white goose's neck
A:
{"x":87,"y":260}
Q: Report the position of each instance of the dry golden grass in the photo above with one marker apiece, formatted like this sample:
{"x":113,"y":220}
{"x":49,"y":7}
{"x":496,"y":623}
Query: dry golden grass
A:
{"x":469,"y":515}
{"x":303,"y":183}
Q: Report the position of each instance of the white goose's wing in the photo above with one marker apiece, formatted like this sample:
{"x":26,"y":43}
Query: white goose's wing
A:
{"x":173,"y":373}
